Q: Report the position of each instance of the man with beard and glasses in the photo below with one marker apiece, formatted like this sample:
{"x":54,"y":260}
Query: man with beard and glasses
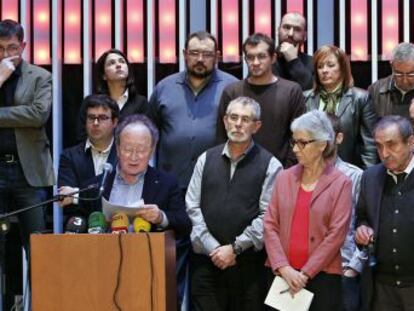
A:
{"x":184,"y":108}
{"x":281,"y":100}
{"x":226,"y":200}
{"x":291,"y":63}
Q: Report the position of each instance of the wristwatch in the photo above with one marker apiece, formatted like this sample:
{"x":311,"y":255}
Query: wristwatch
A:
{"x":236,"y":248}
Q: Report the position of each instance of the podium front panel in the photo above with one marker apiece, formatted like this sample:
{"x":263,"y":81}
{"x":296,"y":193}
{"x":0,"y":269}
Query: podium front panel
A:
{"x":80,"y":272}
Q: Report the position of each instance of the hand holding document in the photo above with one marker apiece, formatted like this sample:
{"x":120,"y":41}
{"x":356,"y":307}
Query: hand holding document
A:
{"x":280,"y":298}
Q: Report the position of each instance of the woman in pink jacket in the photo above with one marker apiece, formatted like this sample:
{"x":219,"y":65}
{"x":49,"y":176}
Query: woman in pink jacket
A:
{"x":308,"y":216}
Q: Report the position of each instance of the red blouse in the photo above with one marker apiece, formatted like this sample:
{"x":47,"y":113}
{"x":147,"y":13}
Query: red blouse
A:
{"x":299,"y":231}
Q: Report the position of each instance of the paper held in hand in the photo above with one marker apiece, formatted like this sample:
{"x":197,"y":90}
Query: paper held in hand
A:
{"x":282,"y":300}
{"x":109,"y":208}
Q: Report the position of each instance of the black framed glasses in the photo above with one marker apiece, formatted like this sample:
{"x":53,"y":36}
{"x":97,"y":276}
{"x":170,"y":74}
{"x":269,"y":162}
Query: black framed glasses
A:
{"x":100,"y":118}
{"x":301,"y":143}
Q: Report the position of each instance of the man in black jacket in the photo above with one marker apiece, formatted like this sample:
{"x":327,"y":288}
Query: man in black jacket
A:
{"x":291,"y":63}
{"x":81,"y":163}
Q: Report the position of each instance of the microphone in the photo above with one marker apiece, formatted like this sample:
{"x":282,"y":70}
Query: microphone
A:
{"x":120,"y":223}
{"x":76,"y":224}
{"x":370,"y":249}
{"x":97,"y":223}
{"x":141,"y":225}
{"x":107,"y":169}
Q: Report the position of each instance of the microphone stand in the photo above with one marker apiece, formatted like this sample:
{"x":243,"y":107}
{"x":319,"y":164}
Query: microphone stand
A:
{"x":5,"y":226}
{"x":55,"y":198}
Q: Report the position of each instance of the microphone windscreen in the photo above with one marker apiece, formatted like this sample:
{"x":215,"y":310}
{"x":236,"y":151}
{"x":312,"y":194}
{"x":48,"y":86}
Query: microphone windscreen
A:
{"x":97,"y":223}
{"x":141,"y":225}
{"x":76,"y":224}
{"x":119,"y":223}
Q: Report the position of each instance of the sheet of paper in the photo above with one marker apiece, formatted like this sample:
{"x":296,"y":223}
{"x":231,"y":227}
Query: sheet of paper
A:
{"x":301,"y":301}
{"x":108,"y":209}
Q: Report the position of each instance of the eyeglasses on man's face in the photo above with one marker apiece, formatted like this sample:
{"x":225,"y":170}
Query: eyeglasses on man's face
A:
{"x":261,"y":57}
{"x":204,"y":54}
{"x":91,"y":118}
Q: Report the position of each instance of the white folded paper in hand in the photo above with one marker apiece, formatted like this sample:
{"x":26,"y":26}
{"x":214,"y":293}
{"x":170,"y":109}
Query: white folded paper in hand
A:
{"x":278,"y":298}
{"x":108,"y":208}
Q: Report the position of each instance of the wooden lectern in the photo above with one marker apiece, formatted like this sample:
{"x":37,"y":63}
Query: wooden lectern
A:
{"x":80,"y":272}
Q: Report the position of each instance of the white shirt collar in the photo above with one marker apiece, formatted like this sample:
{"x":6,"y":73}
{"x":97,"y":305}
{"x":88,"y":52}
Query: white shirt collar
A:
{"x":123,"y":99}
{"x":407,"y":170}
{"x":89,"y":144}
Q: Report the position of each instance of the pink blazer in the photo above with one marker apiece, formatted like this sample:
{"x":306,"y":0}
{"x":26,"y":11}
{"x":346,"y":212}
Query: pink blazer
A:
{"x":329,"y":214}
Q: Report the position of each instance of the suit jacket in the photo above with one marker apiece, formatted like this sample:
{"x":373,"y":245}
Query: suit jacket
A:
{"x":358,"y":118}
{"x":368,"y":213}
{"x":162,"y":189}
{"x":28,"y":116}
{"x":134,"y":105}
{"x":329,"y":217}
{"x":76,"y":169}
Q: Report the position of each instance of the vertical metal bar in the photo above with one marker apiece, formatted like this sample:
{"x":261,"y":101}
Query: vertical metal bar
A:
{"x":406,"y":11}
{"x":342,"y":25}
{"x":245,"y":31}
{"x":182,"y":22}
{"x":87,"y":39}
{"x":150,"y":47}
{"x":278,"y":19}
{"x":374,"y":41}
{"x":57,"y":101}
{"x":25,"y":22}
{"x":213,"y":17}
{"x":309,"y":19}
{"x":118,"y":13}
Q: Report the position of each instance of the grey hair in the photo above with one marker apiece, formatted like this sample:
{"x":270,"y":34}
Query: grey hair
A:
{"x":246,"y":101}
{"x":404,"y":125}
{"x":137,"y":119}
{"x":403,"y":52}
{"x":317,"y":124}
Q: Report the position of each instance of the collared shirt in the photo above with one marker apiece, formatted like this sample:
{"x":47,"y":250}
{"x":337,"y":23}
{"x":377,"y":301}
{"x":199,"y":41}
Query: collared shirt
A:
{"x":121,"y":101}
{"x":187,"y":122}
{"x":99,"y":157}
{"x":352,"y":257}
{"x":127,"y":194}
{"x":233,"y":163}
{"x":197,"y":90}
{"x":407,"y":170}
{"x":252,"y":235}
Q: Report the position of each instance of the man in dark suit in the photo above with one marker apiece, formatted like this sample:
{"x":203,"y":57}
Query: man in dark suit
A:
{"x":136,"y":138}
{"x":385,"y":216}
{"x":80,"y":164}
{"x":25,"y":103}
{"x":133,"y":179}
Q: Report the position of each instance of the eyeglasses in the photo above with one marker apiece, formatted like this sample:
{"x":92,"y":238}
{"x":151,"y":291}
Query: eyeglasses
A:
{"x":244,"y":119}
{"x":400,"y":75}
{"x":301,"y":143}
{"x":11,"y":49}
{"x":100,"y":118}
{"x":260,"y":57}
{"x":203,"y":54}
{"x":141,"y":151}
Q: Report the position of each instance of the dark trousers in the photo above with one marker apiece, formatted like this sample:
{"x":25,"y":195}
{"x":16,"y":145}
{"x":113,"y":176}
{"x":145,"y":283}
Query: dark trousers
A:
{"x":238,"y":288}
{"x":351,"y":293}
{"x":16,"y":193}
{"x":327,"y":290}
{"x":182,"y":247}
{"x":392,"y":298}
